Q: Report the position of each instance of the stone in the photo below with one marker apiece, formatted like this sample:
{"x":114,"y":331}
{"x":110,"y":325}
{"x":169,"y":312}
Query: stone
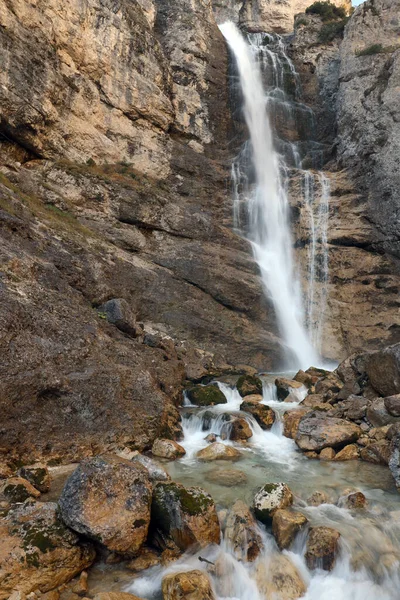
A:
{"x":38,"y":475}
{"x":108,"y":499}
{"x":316,"y":401}
{"x":392,"y":405}
{"x":330,"y":383}
{"x":187,"y":516}
{"x":227,"y":477}
{"x":350,"y":452}
{"x":327,"y":454}
{"x":81,"y":587}
{"x":378,"y":415}
{"x":249,"y":385}
{"x":394,"y":459}
{"x":240,"y":430}
{"x":206,"y":395}
{"x":316,"y":433}
{"x":218,"y":451}
{"x":383,"y":370}
{"x":155,"y":470}
{"x":262,"y":413}
{"x":210,"y":438}
{"x":357,"y":407}
{"x":167,"y":449}
{"x":305,"y":378}
{"x":242,"y":533}
{"x":377,"y":453}
{"x":311,"y":455}
{"x":115,"y":596}
{"x":119,"y":313}
{"x":37,"y":551}
{"x":284,"y":387}
{"x":17,"y":489}
{"x":148,"y":558}
{"x":191,"y":585}
{"x":354,"y":500}
{"x":254,"y":398}
{"x":5,"y":471}
{"x":291,"y":421}
{"x":322,"y":548}
{"x":318,"y":498}
{"x":279,"y":578}
{"x":286,"y":524}
{"x":270,"y":498}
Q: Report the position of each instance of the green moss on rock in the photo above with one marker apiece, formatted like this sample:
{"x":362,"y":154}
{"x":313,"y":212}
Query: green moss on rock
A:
{"x":248,"y":385}
{"x":206,"y":395}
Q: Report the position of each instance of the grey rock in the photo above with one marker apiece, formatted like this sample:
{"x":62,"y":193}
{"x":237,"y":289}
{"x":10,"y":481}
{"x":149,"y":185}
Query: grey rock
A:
{"x":392,"y":405}
{"x":120,"y":314}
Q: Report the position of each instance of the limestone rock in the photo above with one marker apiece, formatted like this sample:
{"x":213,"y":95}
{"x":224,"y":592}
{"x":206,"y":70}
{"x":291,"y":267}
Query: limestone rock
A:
{"x":155,"y":470}
{"x":327,"y":454}
{"x":249,"y":385}
{"x":322,"y":547}
{"x":227,"y":477}
{"x":108,"y":499}
{"x":262,"y":413}
{"x":392,"y":405}
{"x":318,"y":498}
{"x":350,"y":452}
{"x":254,"y":398}
{"x":285,"y":386}
{"x":206,"y":395}
{"x":240,"y":430}
{"x":167,"y":449}
{"x":316,"y":433}
{"x":270,"y":498}
{"x":38,"y":475}
{"x":37,"y":551}
{"x":187,"y":516}
{"x":218,"y":451}
{"x":285,"y":526}
{"x":17,"y":489}
{"x":279,"y":579}
{"x":242,"y":533}
{"x":291,"y":421}
{"x":191,"y":585}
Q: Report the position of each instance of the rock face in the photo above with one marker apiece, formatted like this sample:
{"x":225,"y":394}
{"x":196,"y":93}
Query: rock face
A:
{"x":242,"y":533}
{"x":270,"y":498}
{"x":315,"y":433}
{"x":108,"y":499}
{"x":187,"y":516}
{"x":192,"y":585}
{"x":37,"y":551}
{"x":322,"y":546}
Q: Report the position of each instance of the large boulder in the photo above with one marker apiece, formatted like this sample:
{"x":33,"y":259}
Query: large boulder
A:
{"x":190,"y":585}
{"x":108,"y":499}
{"x":242,"y":533}
{"x":206,"y":395}
{"x":37,"y":551}
{"x":240,"y":430}
{"x":38,"y":475}
{"x":383,"y":369}
{"x":322,"y":547}
{"x":291,"y":421}
{"x":317,"y":432}
{"x":270,"y":498}
{"x":169,"y":449}
{"x":263,"y":414}
{"x":187,"y":516}
{"x":284,"y":387}
{"x":279,"y":579}
{"x":286,"y":524}
{"x":249,"y":385}
{"x":218,"y":451}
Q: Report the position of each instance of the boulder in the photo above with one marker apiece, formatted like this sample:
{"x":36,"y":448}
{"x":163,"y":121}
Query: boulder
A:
{"x":155,"y":470}
{"x":248,"y":385}
{"x":378,"y":415}
{"x":331,"y":383}
{"x":305,"y":379}
{"x":356,"y":407}
{"x":279,"y":579}
{"x":242,"y":533}
{"x":187,"y":516}
{"x":211,"y":438}
{"x":37,"y":551}
{"x":392,"y":405}
{"x":17,"y":489}
{"x":147,"y":558}
{"x":115,"y":596}
{"x":263,"y":414}
{"x":270,"y":498}
{"x":254,"y":398}
{"x":108,"y":499}
{"x":318,"y":498}
{"x":118,"y":312}
{"x":190,"y":585}
{"x":383,"y":369}
{"x":322,"y":548}
{"x":291,"y":421}
{"x":167,"y":449}
{"x":285,"y":526}
{"x":218,"y":451}
{"x":240,"y":430}
{"x":354,"y":500}
{"x":284,"y":387}
{"x":316,"y":401}
{"x":350,"y":452}
{"x":206,"y":395}
{"x":327,"y":454}
{"x":38,"y":475}
{"x":316,"y":432}
{"x":227,"y":477}
{"x":377,"y":453}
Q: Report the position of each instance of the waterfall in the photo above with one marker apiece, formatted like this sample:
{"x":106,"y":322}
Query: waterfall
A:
{"x":269,"y":230}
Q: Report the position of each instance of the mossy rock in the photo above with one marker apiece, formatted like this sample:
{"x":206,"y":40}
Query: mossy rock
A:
{"x":37,"y":475}
{"x":270,"y":498}
{"x":249,"y":384}
{"x":206,"y":395}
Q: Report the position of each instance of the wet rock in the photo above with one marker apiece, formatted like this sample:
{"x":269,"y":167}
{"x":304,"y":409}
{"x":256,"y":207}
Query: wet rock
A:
{"x":278,"y":578}
{"x":240,"y":430}
{"x":81,"y":587}
{"x":356,"y":407}
{"x":227,"y":477}
{"x":38,"y":475}
{"x":206,"y":395}
{"x":316,"y":402}
{"x":284,"y":387}
{"x":211,"y":438}
{"x":379,"y":433}
{"x":262,"y":413}
{"x":383,"y":370}
{"x":311,"y":455}
{"x":305,"y":379}
{"x":286,"y":524}
{"x":291,"y":421}
{"x":377,"y":453}
{"x":327,"y":454}
{"x":37,"y":551}
{"x":349,"y":452}
{"x":322,"y":548}
{"x":167,"y":449}
{"x":242,"y":533}
{"x":394,"y":460}
{"x":330,"y":383}
{"x":147,"y":559}
{"x":354,"y":500}
{"x":248,"y":385}
{"x":187,"y":516}
{"x":392,"y":405}
{"x":316,"y":433}
{"x":378,"y":415}
{"x":218,"y":451}
{"x":119,"y":313}
{"x":270,"y":498}
{"x":254,"y":398}
{"x":17,"y":489}
{"x":115,"y":596}
{"x":191,"y":585}
{"x":318,"y":498}
{"x":155,"y":470}
{"x":108,"y":499}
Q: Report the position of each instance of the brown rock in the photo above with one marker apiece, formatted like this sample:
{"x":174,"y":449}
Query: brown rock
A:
{"x":311,"y":455}
{"x":147,"y":558}
{"x":115,"y":596}
{"x":263,"y":414}
{"x":240,"y":430}
{"x":377,"y":453}
{"x":322,"y":547}
{"x":5,"y":471}
{"x":285,"y":526}
{"x":38,"y":475}
{"x":291,"y":420}
{"x":211,"y":438}
{"x":392,"y":405}
{"x":279,"y":579}
{"x":315,"y":432}
{"x":349,"y":452}
{"x":327,"y":454}
{"x":248,"y":385}
{"x":218,"y":451}
{"x":81,"y":586}
{"x":270,"y":498}
{"x":355,"y":500}
{"x":191,"y":585}
{"x":254,"y":398}
{"x":227,"y":477}
{"x":377,"y":414}
{"x":242,"y":533}
{"x":305,"y":378}
{"x":285,"y":386}
{"x":317,"y":402}
{"x":167,"y":449}
{"x":17,"y":489}
{"x":318,"y":498}
{"x":383,"y":370}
